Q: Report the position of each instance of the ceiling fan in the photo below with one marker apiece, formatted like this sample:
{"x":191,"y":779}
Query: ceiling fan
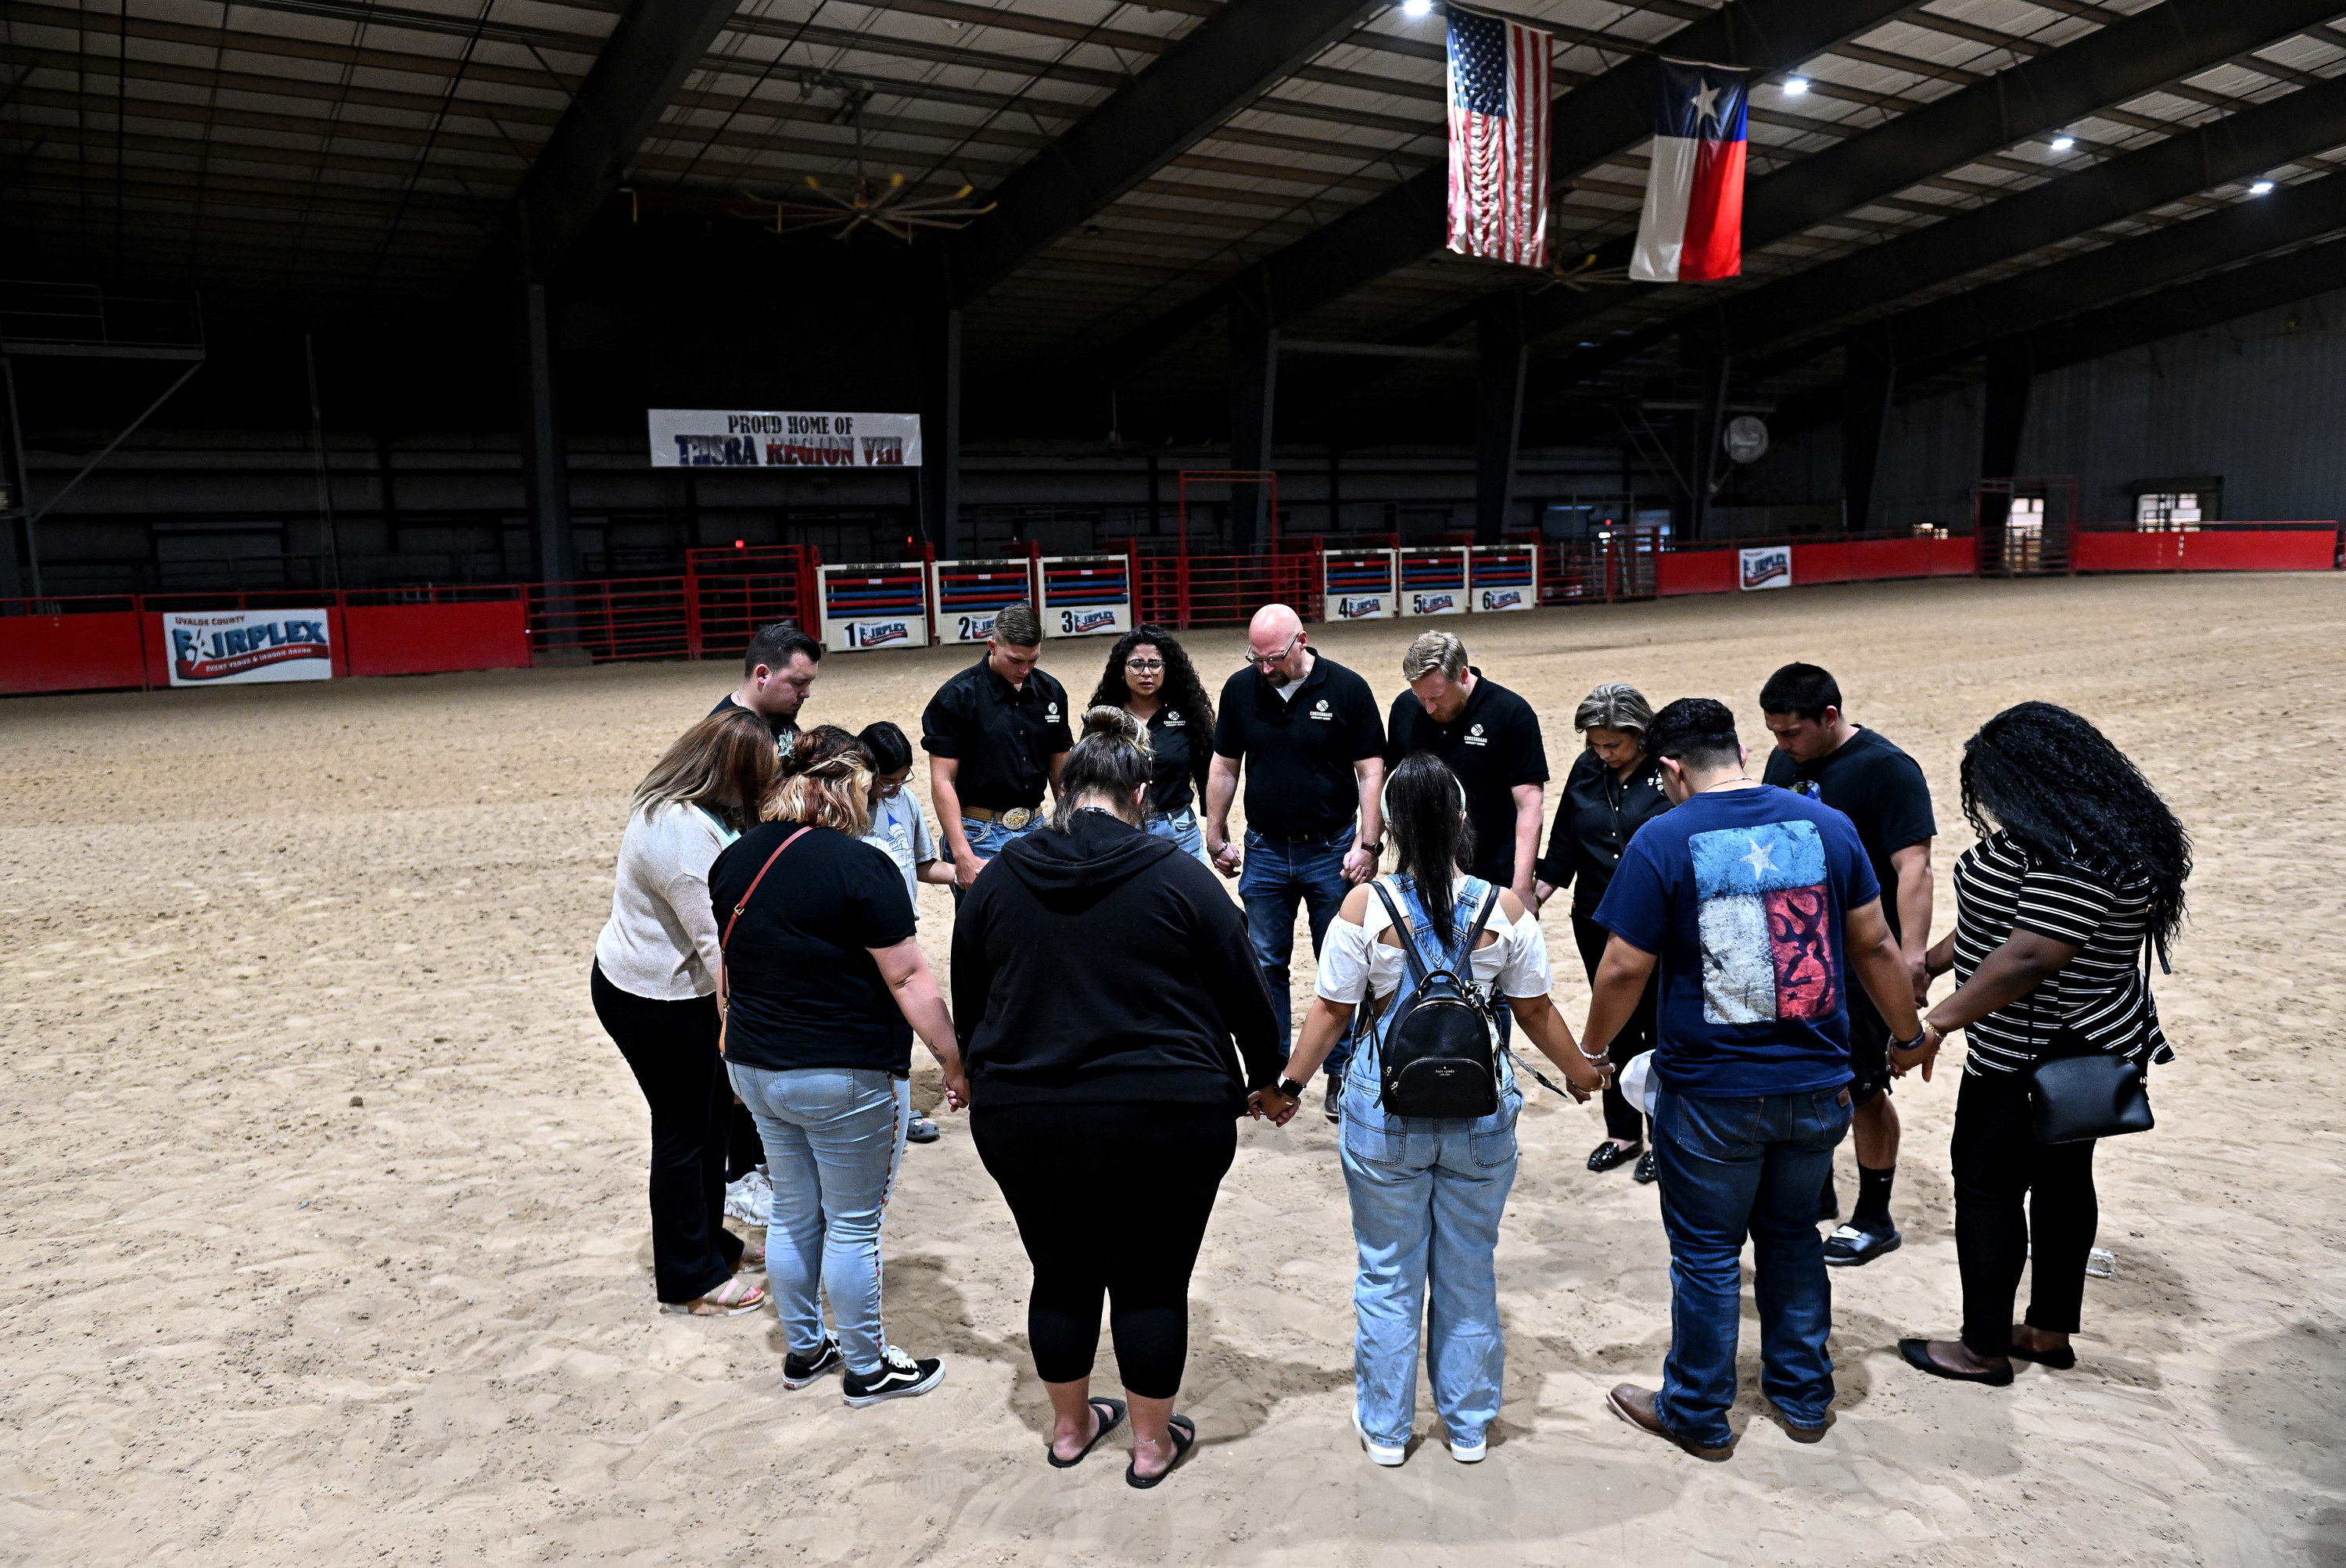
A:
{"x":885,"y":205}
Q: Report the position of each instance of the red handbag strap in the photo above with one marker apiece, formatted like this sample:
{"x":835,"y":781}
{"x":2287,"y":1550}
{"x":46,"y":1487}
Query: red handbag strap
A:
{"x":745,"y":897}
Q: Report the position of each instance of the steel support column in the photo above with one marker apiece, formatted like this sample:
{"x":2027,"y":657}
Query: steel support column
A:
{"x":1254,"y":390}
{"x":1869,"y":380}
{"x":1498,"y":410}
{"x":545,"y":460}
{"x":941,"y":429}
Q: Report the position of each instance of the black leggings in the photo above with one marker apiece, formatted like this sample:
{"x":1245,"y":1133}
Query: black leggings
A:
{"x":1622,"y":1119}
{"x":1110,"y":1200}
{"x":672,"y":1048}
{"x":1998,"y":1161}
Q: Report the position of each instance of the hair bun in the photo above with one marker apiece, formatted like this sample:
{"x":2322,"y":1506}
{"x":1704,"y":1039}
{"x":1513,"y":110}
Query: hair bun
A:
{"x":1115,"y":724}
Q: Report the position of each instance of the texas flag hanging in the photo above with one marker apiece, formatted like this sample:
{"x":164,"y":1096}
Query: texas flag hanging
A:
{"x":1692,"y":228}
{"x":1499,"y":82}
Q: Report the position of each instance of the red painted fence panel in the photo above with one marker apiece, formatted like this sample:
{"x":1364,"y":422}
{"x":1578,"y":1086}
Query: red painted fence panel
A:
{"x":1694,"y":572}
{"x":2259,"y":550}
{"x":71,"y":653}
{"x":428,"y":639}
{"x":2090,"y":552}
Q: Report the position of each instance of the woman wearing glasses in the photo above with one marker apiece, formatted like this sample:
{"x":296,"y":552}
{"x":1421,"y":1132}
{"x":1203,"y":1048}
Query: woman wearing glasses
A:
{"x":1149,"y":676}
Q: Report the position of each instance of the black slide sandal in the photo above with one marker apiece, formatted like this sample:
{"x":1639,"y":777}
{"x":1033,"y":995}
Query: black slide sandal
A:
{"x":1109,"y":1422}
{"x":1918,"y":1356}
{"x":1184,"y":1433}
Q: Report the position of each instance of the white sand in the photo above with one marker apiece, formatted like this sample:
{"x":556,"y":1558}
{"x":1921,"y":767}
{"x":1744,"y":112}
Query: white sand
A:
{"x":247,"y":1321}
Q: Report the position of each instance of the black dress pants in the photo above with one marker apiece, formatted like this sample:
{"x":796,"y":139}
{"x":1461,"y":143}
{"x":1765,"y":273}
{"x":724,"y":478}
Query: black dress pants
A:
{"x":1998,"y":1161}
{"x":1110,"y":1200}
{"x":1622,"y":1119}
{"x":672,"y":1047}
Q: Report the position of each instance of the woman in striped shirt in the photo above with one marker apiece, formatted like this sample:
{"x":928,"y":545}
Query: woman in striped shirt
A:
{"x":2079,"y":864}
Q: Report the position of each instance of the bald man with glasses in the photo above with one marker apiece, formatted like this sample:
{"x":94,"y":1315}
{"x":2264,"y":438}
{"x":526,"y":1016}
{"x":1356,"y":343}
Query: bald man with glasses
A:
{"x":1312,"y":737}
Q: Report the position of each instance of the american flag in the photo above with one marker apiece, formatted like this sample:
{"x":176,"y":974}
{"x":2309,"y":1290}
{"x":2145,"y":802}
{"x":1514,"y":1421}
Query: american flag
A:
{"x":1499,"y":74}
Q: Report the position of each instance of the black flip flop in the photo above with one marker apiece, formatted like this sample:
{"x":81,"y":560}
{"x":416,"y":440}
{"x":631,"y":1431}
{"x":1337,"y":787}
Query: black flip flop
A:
{"x":1184,"y":1432}
{"x":1108,"y":1423}
{"x":2064,"y":1359}
{"x":1918,"y":1356}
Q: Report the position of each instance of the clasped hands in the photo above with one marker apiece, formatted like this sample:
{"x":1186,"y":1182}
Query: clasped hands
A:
{"x":1278,"y":1109}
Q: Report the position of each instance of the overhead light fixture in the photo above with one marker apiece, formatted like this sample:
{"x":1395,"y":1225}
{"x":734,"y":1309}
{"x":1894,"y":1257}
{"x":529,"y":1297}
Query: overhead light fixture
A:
{"x":1795,"y":86}
{"x":1416,"y":7}
{"x":2261,"y":187}
{"x":2063,"y":143}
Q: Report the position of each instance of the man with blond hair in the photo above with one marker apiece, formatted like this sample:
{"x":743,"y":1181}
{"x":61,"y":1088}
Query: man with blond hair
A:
{"x":1491,"y":739}
{"x":1306,"y":730}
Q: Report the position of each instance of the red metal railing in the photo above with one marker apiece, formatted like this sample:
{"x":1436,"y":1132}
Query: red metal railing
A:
{"x":641,"y":618}
{"x":1184,"y":591}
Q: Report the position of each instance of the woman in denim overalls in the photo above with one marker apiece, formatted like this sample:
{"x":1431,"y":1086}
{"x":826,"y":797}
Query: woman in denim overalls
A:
{"x":1427,"y":1193}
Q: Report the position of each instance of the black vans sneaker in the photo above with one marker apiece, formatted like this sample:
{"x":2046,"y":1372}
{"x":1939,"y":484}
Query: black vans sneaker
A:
{"x":899,"y":1378}
{"x":799,"y":1370}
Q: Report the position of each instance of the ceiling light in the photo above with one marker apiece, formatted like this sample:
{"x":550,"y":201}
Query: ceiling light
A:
{"x":1416,"y":7}
{"x":2063,"y":143}
{"x":1795,"y":86}
{"x":2261,"y":188}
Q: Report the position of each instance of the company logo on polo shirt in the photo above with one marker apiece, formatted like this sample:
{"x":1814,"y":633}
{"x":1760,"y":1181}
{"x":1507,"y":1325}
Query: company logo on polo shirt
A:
{"x":877,"y":633}
{"x":1474,"y":736}
{"x":1172,"y":719}
{"x":1319,"y":709}
{"x":1051,"y":711}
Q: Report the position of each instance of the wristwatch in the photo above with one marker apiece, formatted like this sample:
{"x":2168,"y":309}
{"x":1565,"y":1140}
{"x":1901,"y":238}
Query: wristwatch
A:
{"x":1290,"y":1088}
{"x":1377,"y":848}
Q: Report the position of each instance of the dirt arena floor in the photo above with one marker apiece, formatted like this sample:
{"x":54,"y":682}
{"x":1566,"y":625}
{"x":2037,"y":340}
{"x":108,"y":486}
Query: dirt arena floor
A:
{"x":250,"y":1319}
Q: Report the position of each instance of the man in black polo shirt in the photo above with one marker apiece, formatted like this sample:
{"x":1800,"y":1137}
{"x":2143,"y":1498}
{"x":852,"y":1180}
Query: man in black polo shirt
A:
{"x":778,"y":672}
{"x":996,"y":735}
{"x":1491,"y":739}
{"x":1306,"y":729}
{"x":1880,"y":788}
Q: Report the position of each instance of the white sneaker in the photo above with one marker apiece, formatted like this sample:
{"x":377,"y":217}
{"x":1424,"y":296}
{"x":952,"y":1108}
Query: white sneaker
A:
{"x":751,"y":1200}
{"x":1377,"y":1452}
{"x":1467,"y":1453}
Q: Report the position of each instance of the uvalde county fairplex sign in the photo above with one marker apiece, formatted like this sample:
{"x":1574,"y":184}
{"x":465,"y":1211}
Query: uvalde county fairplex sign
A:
{"x":743,"y":438}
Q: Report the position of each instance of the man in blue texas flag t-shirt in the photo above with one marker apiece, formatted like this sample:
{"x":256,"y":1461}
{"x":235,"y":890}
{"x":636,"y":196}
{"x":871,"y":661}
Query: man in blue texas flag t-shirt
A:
{"x":1760,"y":907}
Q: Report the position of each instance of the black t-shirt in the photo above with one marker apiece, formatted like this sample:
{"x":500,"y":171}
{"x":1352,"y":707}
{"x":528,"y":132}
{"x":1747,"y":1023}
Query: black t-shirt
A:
{"x":1493,"y":746}
{"x":805,"y":991}
{"x":1299,"y":750}
{"x":1594,"y":821}
{"x":1003,"y":737}
{"x":1183,"y":753}
{"x":1881,"y":790}
{"x":786,"y":731}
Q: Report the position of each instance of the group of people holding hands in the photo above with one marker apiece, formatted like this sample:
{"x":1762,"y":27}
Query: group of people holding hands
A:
{"x":1758,"y":950}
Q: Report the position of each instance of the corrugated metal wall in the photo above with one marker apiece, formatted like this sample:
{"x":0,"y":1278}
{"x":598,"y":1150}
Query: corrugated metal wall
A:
{"x":2259,"y":402}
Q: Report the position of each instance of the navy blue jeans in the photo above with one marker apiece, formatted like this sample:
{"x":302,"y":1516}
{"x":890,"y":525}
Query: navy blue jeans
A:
{"x":1275,"y":876}
{"x":1731,"y":1169}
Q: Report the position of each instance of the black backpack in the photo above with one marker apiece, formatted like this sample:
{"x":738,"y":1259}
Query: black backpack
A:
{"x":1439,"y":1056}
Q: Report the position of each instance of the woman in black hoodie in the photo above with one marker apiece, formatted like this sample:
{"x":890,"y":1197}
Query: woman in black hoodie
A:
{"x":1116,"y":1024}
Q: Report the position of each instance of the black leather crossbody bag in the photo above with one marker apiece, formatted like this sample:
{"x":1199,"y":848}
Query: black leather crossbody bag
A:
{"x":2088,"y":1094}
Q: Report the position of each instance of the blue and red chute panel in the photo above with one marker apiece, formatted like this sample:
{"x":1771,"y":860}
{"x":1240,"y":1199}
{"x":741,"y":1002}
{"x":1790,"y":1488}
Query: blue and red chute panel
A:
{"x":1503,"y":578}
{"x":969,"y":594}
{"x":1434,"y":582}
{"x":1087,"y":596}
{"x":873,"y":606}
{"x":1358,"y":585}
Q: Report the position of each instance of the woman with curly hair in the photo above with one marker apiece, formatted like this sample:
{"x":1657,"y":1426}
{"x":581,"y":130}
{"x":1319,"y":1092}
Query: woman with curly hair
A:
{"x":1149,"y":675}
{"x":2077,"y":880}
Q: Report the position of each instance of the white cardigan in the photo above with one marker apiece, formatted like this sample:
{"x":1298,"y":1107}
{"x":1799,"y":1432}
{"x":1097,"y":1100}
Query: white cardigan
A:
{"x":660,"y":942}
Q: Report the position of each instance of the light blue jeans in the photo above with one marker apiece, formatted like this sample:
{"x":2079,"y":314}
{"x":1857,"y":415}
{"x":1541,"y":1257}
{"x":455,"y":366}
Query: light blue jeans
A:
{"x":1427,"y":1196}
{"x":833,"y":1139}
{"x":1731,"y":1169}
{"x":1183,"y":829}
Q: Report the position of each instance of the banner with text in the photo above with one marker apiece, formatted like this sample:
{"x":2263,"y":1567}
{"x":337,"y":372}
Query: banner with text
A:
{"x":736,"y":438}
{"x":242,"y":648}
{"x":1769,"y":567}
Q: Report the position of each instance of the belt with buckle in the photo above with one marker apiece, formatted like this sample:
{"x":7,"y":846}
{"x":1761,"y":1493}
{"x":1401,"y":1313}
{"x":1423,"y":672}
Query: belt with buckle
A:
{"x":1016,"y":817}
